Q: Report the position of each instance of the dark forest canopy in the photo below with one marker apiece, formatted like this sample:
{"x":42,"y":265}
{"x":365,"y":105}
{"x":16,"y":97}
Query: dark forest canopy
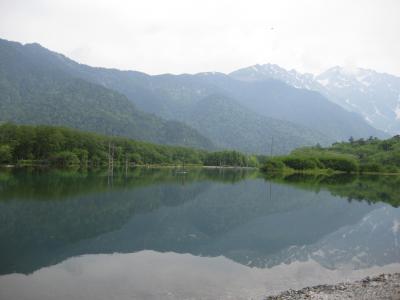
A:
{"x":63,"y":146}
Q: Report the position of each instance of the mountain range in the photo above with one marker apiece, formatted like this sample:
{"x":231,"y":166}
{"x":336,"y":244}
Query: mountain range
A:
{"x":248,"y":110}
{"x":373,"y":95}
{"x":35,"y":91}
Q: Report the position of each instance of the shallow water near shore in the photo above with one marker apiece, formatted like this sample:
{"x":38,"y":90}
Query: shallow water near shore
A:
{"x":205,"y":234}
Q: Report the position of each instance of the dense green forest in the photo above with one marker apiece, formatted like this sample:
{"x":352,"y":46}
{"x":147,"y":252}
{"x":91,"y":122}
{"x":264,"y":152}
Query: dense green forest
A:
{"x":25,"y":144}
{"x":36,"y":90}
{"x":365,"y":156}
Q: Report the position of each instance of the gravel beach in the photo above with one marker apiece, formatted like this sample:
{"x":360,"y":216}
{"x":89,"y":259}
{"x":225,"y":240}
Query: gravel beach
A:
{"x":384,"y":286}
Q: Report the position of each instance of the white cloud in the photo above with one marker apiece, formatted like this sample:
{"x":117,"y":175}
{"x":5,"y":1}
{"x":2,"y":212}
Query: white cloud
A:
{"x":178,"y":36}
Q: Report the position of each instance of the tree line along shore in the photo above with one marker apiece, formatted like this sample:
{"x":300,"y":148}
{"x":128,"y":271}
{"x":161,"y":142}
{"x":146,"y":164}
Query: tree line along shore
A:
{"x":63,"y":147}
{"x":354,"y":156}
{"x":60,"y":146}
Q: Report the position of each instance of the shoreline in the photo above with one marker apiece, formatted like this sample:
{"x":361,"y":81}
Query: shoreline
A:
{"x":325,"y":172}
{"x":13,"y":166}
{"x":384,"y":286}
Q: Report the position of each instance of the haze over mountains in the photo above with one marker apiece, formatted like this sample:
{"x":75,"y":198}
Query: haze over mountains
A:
{"x":375,"y":96}
{"x":246,"y":110}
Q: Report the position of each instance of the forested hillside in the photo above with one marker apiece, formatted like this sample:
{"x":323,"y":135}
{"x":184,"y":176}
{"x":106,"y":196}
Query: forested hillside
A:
{"x":35,"y":91}
{"x":233,"y":126}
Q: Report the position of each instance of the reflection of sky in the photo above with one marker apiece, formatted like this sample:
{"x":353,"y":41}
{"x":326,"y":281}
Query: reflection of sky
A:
{"x":155,"y":275}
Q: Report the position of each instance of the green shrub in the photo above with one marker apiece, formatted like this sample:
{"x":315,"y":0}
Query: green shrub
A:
{"x":252,"y":161}
{"x":273,"y":165}
{"x":338,"y":163}
{"x":300,"y":163}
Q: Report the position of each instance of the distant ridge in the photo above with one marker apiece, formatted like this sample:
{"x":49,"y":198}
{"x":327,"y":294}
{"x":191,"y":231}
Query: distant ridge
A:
{"x":373,"y":95}
{"x":206,"y":110}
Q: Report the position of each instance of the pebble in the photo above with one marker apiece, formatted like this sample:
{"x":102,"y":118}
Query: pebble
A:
{"x":382,"y":287}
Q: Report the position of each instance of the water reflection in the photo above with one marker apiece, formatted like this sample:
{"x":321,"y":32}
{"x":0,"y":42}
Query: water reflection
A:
{"x":153,"y":275}
{"x":208,"y":233}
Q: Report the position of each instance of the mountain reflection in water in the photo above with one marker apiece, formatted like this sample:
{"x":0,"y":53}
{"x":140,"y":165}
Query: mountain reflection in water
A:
{"x":208,"y":234}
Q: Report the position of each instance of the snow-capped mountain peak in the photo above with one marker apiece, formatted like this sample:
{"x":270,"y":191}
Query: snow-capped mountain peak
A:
{"x":345,"y":77}
{"x":272,"y":71}
{"x":375,"y":96}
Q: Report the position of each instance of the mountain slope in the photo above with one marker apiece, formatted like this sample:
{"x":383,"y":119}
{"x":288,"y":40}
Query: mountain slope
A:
{"x":266,"y":109}
{"x":276,"y":99}
{"x":169,"y":95}
{"x":233,"y":126}
{"x":375,"y":96}
{"x":36,"y":91}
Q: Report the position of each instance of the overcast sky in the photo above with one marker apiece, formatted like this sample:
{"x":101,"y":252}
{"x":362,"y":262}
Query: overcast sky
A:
{"x":188,"y":36}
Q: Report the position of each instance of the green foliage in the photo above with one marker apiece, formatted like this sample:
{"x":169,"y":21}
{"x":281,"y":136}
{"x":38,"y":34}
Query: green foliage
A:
{"x":65,"y":159}
{"x":300,"y":163}
{"x":252,"y":161}
{"x":339,"y":163}
{"x":273,"y":165}
{"x":66,"y":147}
{"x":5,"y":154}
{"x":365,"y":156}
{"x":82,"y":155}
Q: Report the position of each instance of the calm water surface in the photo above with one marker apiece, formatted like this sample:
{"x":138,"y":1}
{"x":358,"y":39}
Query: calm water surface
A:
{"x":207,"y":234}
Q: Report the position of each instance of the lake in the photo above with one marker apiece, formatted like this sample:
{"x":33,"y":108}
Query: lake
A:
{"x":206,"y":234}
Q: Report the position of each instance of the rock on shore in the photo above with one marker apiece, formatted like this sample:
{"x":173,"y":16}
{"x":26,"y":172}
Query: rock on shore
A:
{"x":384,"y":286}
